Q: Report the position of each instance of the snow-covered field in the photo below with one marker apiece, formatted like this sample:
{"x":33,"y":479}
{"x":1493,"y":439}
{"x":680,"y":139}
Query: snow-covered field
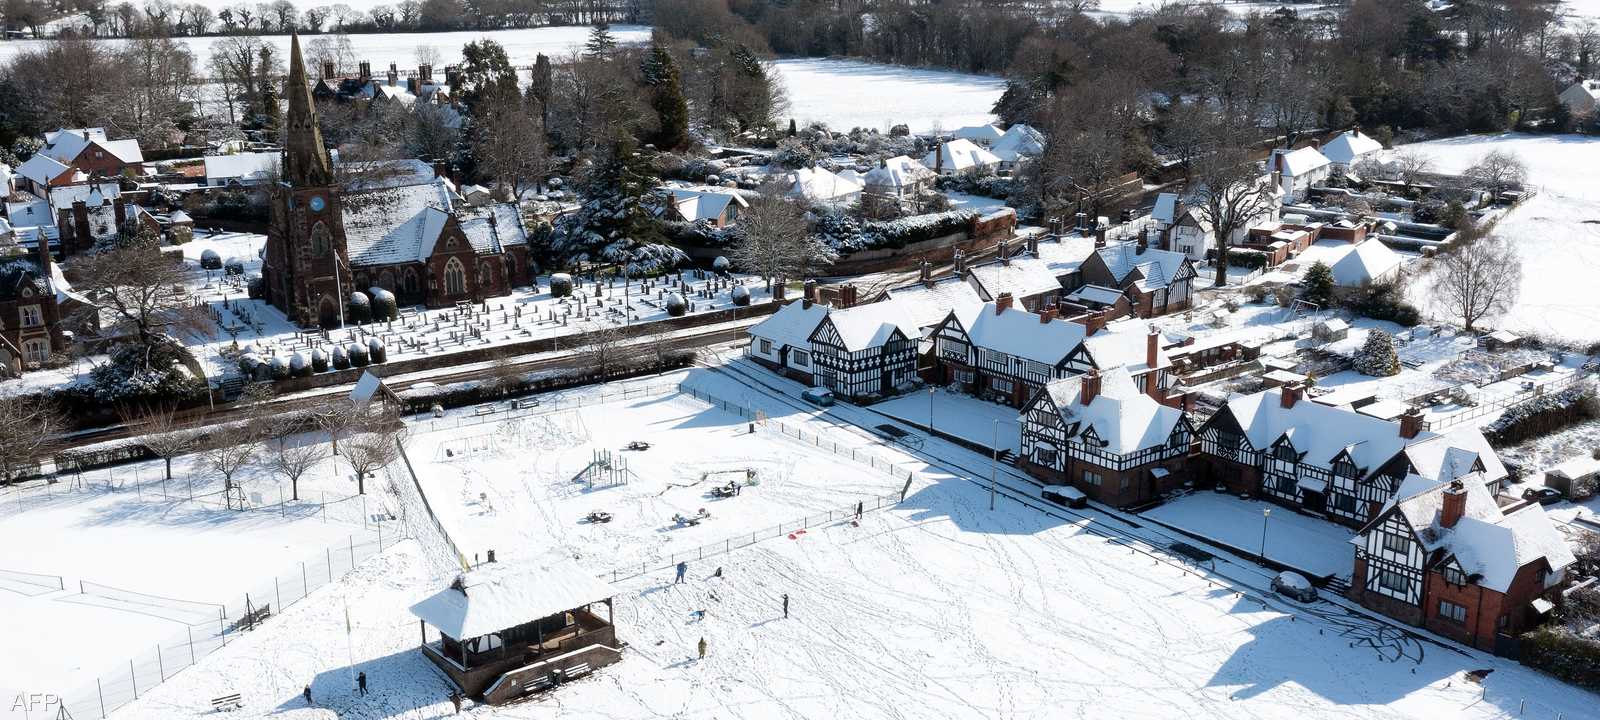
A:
{"x":522,"y":46}
{"x":934,"y":609}
{"x":1557,"y":232}
{"x":60,"y":638}
{"x":849,"y":93}
{"x":519,"y":486}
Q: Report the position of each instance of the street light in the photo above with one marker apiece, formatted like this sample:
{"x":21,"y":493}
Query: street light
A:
{"x":1265,"y":512}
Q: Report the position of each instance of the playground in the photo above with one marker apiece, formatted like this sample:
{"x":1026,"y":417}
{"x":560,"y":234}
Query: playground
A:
{"x":628,"y":482}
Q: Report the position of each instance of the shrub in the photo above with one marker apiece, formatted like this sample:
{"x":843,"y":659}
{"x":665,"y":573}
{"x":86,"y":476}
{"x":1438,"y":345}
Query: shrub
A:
{"x":560,"y":285}
{"x":676,"y":306}
{"x":1244,"y":258}
{"x":1541,"y":416}
{"x":1566,"y":656}
{"x":319,"y":361}
{"x":1318,"y":284}
{"x":384,"y":305}
{"x":376,"y":351}
{"x":128,"y":378}
{"x":360,"y":309}
{"x":341,"y":361}
{"x":741,"y":296}
{"x":357,"y":354}
{"x":1385,"y":302}
{"x":210,"y":260}
{"x":279,"y":368}
{"x":300,"y":365}
{"x":1377,"y":356}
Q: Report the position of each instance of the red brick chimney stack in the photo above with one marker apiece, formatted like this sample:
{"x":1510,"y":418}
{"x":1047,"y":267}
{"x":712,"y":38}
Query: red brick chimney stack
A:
{"x":1046,"y":314}
{"x":1152,"y":348}
{"x":1033,"y":244}
{"x":1100,"y":237}
{"x":1090,"y":386}
{"x":1455,"y":504}
{"x":1002,"y":303}
{"x":1411,"y":424}
{"x":847,"y":296}
{"x":1093,"y":321}
{"x":1289,"y":394}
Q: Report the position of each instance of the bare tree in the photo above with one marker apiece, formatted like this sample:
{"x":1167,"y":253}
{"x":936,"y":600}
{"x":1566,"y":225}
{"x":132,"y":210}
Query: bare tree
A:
{"x":508,"y":141}
{"x":1477,"y":280}
{"x":777,"y":244}
{"x":29,"y":430}
{"x":504,"y":375}
{"x":231,"y":448}
{"x":1230,"y":193}
{"x":1497,"y":172}
{"x":337,"y":418}
{"x":604,"y":347}
{"x":163,"y":431}
{"x":140,"y":286}
{"x":369,"y":452}
{"x":1412,"y":166}
{"x":293,"y":460}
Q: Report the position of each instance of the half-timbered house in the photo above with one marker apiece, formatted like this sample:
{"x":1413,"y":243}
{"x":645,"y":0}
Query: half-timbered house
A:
{"x":859,"y":352}
{"x":1327,"y":460}
{"x":1445,"y":556}
{"x":1101,"y":434}
{"x":1156,"y":282}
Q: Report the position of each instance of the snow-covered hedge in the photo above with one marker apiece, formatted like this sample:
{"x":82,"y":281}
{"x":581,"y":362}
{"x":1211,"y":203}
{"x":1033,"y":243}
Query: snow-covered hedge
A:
{"x":845,"y":234}
{"x":700,"y":233}
{"x":279,"y":368}
{"x":210,"y":260}
{"x":300,"y":365}
{"x":741,"y":296}
{"x":319,"y":361}
{"x":360,"y":309}
{"x":560,"y":285}
{"x":341,"y":359}
{"x":1567,"y":656}
{"x":1541,"y":416}
{"x":376,"y":352}
{"x":233,"y":266}
{"x":384,"y":305}
{"x":357,"y":354}
{"x":721,"y":264}
{"x":676,"y":306}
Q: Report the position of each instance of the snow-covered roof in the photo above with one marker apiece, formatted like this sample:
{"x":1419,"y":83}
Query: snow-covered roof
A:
{"x":393,"y":92}
{"x":897,"y":172}
{"x":791,"y":325}
{"x":396,"y":224}
{"x":494,"y":228}
{"x":871,"y":325}
{"x":89,"y":133}
{"x":241,"y":167}
{"x":1318,"y":431}
{"x":1577,"y":467}
{"x":979,"y":133}
{"x":1590,"y":87}
{"x":384,"y":174}
{"x":179,"y":216}
{"x":821,"y":185}
{"x":1124,"y":418}
{"x":1096,"y":294}
{"x":64,"y":145}
{"x":1485,"y":541}
{"x":41,"y":169}
{"x":62,"y":197}
{"x":503,"y":595}
{"x":931,"y":303}
{"x":959,"y":155}
{"x":1454,"y":454}
{"x":1302,"y":161}
{"x":127,"y":150}
{"x":1019,"y":333}
{"x":1018,"y":142}
{"x":30,"y":213}
{"x":703,"y":203}
{"x":1166,"y":210}
{"x":1157,"y":267}
{"x":1365,"y":263}
{"x":1350,"y":146}
{"x":1125,"y":344}
{"x":1023,"y":276}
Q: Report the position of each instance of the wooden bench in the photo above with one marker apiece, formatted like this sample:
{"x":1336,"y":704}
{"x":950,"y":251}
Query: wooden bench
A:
{"x":535,"y":685}
{"x":226,"y":702}
{"x":485,"y":410}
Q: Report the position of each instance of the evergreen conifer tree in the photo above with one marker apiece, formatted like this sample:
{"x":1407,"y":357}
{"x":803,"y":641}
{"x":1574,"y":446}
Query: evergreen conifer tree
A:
{"x":1377,"y":356}
{"x":1318,"y":284}
{"x":661,"y":74}
{"x":601,"y":42}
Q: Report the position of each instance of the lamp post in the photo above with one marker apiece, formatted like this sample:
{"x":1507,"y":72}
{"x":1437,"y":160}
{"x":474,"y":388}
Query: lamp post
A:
{"x":1265,"y":513}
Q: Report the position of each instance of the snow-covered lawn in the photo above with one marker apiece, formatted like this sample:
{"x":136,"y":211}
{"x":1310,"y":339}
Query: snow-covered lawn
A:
{"x":1306,"y":543}
{"x":960,"y":415}
{"x":60,"y":639}
{"x":520,"y":486}
{"x":935,"y":609}
{"x":380,"y":49}
{"x":1557,"y":232}
{"x":850,"y":93}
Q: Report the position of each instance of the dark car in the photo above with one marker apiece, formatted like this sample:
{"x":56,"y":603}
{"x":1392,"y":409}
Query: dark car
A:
{"x":1065,"y":495}
{"x":1542,"y":495}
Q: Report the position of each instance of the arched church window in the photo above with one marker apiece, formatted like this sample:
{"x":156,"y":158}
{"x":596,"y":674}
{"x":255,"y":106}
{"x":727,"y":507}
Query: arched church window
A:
{"x":319,"y":240}
{"x":455,"y":278}
{"x":411,"y":281}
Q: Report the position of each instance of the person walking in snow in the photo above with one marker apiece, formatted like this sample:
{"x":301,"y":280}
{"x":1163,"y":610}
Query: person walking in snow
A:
{"x":702,"y":648}
{"x":786,"y":606}
{"x":683,"y":567}
{"x":860,"y":505}
{"x":307,"y":694}
{"x":361,"y":682}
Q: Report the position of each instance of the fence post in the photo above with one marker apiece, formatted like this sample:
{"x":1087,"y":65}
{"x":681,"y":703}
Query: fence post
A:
{"x":363,"y":513}
{"x":330,"y":563}
{"x":305,"y":586}
{"x":161,"y":665}
{"x":353,"y":551}
{"x":100,"y":693}
{"x":277,"y":595}
{"x":222,"y":627}
{"x":134,"y":678}
{"x":324,"y":507}
{"x":190,"y":632}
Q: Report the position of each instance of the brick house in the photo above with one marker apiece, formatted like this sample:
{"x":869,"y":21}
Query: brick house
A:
{"x":1156,"y":282}
{"x":90,"y":151}
{"x":857,"y":351}
{"x":1099,"y":433}
{"x":1445,"y":556}
{"x":30,"y":318}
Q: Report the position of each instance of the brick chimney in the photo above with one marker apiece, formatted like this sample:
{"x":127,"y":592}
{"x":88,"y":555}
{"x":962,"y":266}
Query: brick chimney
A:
{"x":1411,"y":424}
{"x":1289,"y":394}
{"x":441,"y":169}
{"x":1002,"y":303}
{"x":425,"y":74}
{"x":810,"y":292}
{"x":1144,"y":244}
{"x":925,"y":272}
{"x":394,"y":75}
{"x":119,"y":210}
{"x":1033,"y":244}
{"x":1093,"y":321}
{"x":1100,"y":237}
{"x":1046,"y":314}
{"x":1089,"y":387}
{"x":777,"y":291}
{"x":938,"y":157}
{"x":1455,"y":504}
{"x":1152,"y":347}
{"x":327,"y":69}
{"x":41,"y":256}
{"x":1002,"y":252}
{"x":366,"y":70}
{"x":847,"y":296}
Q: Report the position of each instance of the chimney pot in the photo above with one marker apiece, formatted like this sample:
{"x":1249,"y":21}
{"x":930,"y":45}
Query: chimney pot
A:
{"x":1100,"y":237}
{"x":1089,"y":387}
{"x":1411,"y":424}
{"x":1002,"y":303}
{"x":1289,"y":394}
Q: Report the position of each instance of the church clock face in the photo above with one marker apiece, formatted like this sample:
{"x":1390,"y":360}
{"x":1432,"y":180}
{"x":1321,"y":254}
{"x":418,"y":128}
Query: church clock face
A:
{"x":317,"y":203}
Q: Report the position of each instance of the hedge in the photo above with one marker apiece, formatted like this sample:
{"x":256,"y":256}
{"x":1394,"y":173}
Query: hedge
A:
{"x":1568,"y":657}
{"x":1251,"y":259}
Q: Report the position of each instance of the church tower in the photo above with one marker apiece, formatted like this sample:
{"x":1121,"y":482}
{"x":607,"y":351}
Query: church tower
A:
{"x":306,"y":270}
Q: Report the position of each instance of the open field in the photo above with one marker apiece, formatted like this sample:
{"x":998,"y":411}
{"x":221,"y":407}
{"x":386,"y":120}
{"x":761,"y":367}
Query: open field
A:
{"x":849,"y":93}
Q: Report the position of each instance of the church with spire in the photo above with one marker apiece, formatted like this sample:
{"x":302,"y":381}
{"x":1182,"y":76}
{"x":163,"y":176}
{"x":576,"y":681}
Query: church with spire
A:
{"x":335,"y":231}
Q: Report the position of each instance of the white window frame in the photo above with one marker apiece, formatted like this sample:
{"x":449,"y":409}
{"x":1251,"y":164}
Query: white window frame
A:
{"x":32,"y":316}
{"x":765,"y":345}
{"x":800,"y":358}
{"x":1397,"y":544}
{"x":1093,"y":478}
{"x":36,"y":350}
{"x":998,"y":384}
{"x":1453,"y":612}
{"x":1384,"y":576}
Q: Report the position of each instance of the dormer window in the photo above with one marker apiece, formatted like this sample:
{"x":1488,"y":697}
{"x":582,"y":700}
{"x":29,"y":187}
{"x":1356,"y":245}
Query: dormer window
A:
{"x":1454,"y":575}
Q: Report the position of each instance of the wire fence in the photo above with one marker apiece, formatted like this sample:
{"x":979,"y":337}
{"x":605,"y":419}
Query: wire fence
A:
{"x":208,"y":627}
{"x":30,"y":584}
{"x":1481,"y":405}
{"x":493,"y":412}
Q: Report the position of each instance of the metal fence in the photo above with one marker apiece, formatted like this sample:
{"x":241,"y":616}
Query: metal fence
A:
{"x":125,"y":682}
{"x":152,"y":486}
{"x":1482,"y":406}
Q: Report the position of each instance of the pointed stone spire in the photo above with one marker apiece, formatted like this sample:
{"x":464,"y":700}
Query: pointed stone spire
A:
{"x":305,"y":159}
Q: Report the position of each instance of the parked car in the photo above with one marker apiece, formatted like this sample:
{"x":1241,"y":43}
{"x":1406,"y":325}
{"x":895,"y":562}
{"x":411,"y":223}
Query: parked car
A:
{"x":1294,"y":585}
{"x":1542,"y":495}
{"x":819,"y":396}
{"x":1065,"y":495}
